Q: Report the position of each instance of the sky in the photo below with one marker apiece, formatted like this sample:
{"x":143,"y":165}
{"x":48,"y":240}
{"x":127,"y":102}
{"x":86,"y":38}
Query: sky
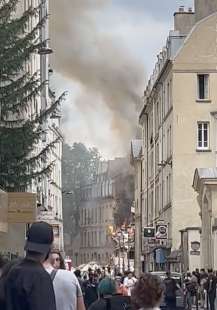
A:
{"x":104,"y":53}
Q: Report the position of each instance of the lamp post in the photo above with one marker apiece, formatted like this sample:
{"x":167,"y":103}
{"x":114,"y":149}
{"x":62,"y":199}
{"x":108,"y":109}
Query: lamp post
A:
{"x":119,"y":250}
{"x":128,"y":252}
{"x":123,"y":251}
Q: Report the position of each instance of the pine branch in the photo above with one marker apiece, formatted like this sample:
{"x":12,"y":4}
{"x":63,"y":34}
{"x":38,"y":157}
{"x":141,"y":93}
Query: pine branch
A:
{"x":45,"y":113}
{"x":44,"y":152}
{"x":21,"y":160}
{"x":6,"y":9}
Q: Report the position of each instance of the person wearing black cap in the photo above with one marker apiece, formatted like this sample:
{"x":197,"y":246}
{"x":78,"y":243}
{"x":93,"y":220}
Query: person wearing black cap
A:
{"x":28,"y":285}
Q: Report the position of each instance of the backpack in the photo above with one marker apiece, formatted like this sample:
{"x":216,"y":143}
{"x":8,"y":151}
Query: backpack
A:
{"x":118,"y":302}
{"x":191,"y":288}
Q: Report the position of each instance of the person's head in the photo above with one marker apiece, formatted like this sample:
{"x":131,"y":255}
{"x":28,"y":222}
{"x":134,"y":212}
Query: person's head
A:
{"x":130,"y":275}
{"x":202,"y":270}
{"x":39,"y":241}
{"x":188,"y":274}
{"x":147,"y":292}
{"x":77,"y":273}
{"x":57,"y":260}
{"x":210,"y":271}
{"x":193,"y":273}
{"x":168,"y":274}
{"x":197,"y":270}
{"x":91,"y":276}
{"x":106,"y":287}
{"x":95,"y":277}
{"x":118,"y":281}
{"x":3,"y":262}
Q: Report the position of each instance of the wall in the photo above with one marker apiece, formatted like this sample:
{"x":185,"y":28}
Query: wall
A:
{"x":13,"y":241}
{"x":183,"y":22}
{"x":197,"y":55}
{"x":204,"y":8}
{"x":194,"y":260}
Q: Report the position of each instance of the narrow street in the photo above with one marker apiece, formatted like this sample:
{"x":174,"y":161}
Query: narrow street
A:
{"x":108,"y":154}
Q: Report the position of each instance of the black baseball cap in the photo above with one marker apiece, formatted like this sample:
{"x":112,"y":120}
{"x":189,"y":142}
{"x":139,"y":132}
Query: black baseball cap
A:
{"x":39,"y":238}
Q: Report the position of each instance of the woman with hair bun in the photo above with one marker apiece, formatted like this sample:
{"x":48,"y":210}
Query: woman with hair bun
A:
{"x":147,"y":293}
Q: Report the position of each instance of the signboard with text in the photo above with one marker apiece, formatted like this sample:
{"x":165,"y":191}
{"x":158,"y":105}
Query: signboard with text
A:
{"x":149,"y":232}
{"x":161,"y":231}
{"x":3,"y":211}
{"x":21,"y":207}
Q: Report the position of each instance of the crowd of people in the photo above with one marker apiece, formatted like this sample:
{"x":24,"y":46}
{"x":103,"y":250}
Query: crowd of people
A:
{"x":200,"y":289}
{"x":40,"y":281}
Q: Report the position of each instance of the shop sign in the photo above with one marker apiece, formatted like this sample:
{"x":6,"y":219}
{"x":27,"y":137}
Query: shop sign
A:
{"x":3,"y":211}
{"x":161,"y":231}
{"x":21,"y":207}
{"x":195,"y":248}
{"x":149,"y":232}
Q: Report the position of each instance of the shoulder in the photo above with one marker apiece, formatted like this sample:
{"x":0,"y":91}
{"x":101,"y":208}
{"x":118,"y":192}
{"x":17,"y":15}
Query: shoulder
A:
{"x":98,"y":305}
{"x":67,"y":275}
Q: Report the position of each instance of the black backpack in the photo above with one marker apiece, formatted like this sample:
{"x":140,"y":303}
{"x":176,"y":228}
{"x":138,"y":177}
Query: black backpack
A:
{"x":118,"y":302}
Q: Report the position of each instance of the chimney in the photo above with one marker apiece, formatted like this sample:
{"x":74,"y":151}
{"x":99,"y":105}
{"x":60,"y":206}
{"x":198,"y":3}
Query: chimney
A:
{"x":183,"y":20}
{"x":204,"y":8}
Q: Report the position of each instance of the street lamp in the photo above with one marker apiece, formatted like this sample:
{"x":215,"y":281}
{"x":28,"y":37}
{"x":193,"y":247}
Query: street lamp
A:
{"x":45,"y":51}
{"x":119,"y":250}
{"x":123,"y":253}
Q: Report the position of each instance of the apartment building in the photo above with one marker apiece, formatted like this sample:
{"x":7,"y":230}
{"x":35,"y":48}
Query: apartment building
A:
{"x":50,"y":189}
{"x":97,"y":219}
{"x":179,"y":135}
{"x":47,"y":188}
{"x":136,"y":159}
{"x":105,"y":205}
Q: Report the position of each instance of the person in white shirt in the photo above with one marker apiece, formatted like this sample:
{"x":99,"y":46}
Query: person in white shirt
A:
{"x":67,"y":290}
{"x":129,"y":282}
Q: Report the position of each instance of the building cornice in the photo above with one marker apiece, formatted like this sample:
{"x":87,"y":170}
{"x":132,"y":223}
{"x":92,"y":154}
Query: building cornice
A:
{"x":154,"y":88}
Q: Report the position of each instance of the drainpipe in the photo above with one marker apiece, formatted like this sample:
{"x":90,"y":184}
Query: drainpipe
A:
{"x":162,"y":145}
{"x":141,"y":189}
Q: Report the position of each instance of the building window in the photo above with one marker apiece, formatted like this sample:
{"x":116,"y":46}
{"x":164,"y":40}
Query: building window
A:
{"x":170,"y":188}
{"x":203,"y":135}
{"x":203,"y":86}
{"x":167,"y":189}
{"x":156,"y":201}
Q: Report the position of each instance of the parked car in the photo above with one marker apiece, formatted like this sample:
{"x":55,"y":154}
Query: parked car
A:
{"x":180,"y":300}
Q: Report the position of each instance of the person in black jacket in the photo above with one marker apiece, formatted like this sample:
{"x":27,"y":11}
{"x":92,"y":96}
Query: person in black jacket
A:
{"x":109,"y":299}
{"x":5,"y":271}
{"x":210,"y":287}
{"x":90,"y":287}
{"x":28,"y":285}
{"x":170,"y":291}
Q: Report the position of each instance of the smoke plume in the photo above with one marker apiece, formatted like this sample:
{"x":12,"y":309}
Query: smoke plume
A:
{"x":99,"y":61}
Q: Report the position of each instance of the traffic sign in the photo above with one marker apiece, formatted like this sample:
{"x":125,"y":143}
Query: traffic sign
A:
{"x":149,"y":232}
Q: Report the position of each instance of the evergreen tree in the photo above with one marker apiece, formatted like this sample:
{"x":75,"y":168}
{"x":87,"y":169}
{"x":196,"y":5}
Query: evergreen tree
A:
{"x":21,"y":161}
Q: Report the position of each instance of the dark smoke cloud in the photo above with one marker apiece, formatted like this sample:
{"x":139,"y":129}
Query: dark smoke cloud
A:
{"x":96,"y":59}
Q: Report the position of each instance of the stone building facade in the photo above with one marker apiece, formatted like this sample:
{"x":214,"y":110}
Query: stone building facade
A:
{"x":104,"y":205}
{"x":179,"y":130}
{"x":47,"y":188}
